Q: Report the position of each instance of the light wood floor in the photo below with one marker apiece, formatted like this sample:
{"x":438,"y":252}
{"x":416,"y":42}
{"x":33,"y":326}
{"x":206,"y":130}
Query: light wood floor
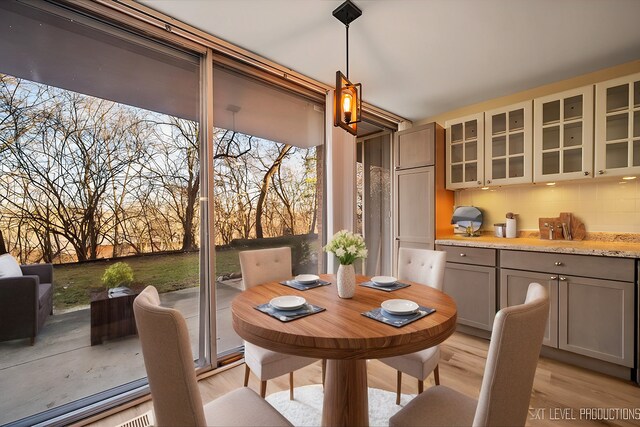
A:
{"x":558,"y":390}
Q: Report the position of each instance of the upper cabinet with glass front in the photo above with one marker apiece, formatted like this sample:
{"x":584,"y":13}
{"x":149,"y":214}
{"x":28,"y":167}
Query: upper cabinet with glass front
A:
{"x":563,"y":135}
{"x":465,"y":152}
{"x":617,"y":141}
{"x":508,"y":145}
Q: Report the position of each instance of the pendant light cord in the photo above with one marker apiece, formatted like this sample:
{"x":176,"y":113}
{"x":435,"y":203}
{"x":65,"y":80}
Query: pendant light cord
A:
{"x":347,"y":28}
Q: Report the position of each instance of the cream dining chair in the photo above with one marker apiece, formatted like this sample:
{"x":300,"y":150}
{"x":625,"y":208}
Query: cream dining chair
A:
{"x":508,"y":374}
{"x":258,"y":267}
{"x":426,"y":267}
{"x":166,"y":349}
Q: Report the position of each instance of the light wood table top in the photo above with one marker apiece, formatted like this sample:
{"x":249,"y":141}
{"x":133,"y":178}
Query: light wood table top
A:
{"x":344,"y":336}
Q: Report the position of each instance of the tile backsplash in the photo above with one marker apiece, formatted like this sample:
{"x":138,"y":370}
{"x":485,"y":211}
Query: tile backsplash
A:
{"x":609,"y":206}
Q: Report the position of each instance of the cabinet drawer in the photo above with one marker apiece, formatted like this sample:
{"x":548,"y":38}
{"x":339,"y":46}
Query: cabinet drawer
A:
{"x":466,"y":255}
{"x":621,"y":269}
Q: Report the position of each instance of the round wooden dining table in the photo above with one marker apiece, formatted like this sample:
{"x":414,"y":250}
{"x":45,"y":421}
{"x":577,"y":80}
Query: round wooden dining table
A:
{"x":343,"y":336}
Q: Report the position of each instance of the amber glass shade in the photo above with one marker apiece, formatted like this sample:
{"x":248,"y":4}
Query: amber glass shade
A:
{"x":347,"y":104}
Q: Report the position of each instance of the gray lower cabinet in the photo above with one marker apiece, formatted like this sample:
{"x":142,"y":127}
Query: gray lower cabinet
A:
{"x":470,"y":279}
{"x":513,"y":291}
{"x":591,"y":316}
{"x":596,"y":318}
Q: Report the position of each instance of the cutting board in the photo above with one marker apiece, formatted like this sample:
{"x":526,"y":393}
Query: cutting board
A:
{"x":578,"y":230}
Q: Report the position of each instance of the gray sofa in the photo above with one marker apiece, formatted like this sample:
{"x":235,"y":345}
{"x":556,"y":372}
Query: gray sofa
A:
{"x":26,"y":302}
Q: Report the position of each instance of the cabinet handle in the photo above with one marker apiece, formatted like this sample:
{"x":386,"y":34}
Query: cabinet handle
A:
{"x":557,"y":263}
{"x":563,"y":279}
{"x":600,"y":172}
{"x":463,"y":254}
{"x":488,"y":181}
{"x":586,"y":173}
{"x":553,"y":278}
{"x":479,"y":182}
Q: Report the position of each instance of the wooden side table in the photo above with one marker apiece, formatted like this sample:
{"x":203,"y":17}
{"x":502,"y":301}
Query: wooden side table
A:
{"x":112,"y":317}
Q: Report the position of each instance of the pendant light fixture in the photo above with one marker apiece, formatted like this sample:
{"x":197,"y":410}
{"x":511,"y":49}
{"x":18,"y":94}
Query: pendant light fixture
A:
{"x":347,"y":99}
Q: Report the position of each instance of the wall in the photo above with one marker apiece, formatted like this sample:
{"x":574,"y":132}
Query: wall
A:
{"x":583,"y":80}
{"x":602,"y":205}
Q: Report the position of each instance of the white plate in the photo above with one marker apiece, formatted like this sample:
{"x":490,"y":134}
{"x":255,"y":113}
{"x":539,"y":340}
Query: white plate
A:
{"x":399,"y":306}
{"x":288,"y":302}
{"x":384,"y":280}
{"x":306,"y":278}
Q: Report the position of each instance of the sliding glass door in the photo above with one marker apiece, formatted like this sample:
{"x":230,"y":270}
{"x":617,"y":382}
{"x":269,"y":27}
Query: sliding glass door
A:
{"x":100,"y":176}
{"x":268,"y":182}
{"x":107,"y":154}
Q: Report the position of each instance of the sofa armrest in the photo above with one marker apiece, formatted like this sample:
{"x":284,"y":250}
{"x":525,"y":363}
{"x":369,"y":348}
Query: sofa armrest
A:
{"x":43,"y":271}
{"x":19,"y":293}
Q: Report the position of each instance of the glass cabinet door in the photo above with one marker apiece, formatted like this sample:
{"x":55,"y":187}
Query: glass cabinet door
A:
{"x":618,"y":126}
{"x":465,"y":152}
{"x":563,"y":137}
{"x":508,"y":145}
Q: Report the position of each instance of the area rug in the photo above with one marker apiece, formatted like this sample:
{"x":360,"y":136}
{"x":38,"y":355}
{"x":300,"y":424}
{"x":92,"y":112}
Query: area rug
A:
{"x":306,"y":408}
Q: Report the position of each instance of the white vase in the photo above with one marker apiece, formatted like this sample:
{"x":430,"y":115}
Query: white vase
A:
{"x":346,"y":281}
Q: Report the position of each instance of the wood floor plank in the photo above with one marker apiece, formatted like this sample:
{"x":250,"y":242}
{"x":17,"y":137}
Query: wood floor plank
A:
{"x":559,"y":389}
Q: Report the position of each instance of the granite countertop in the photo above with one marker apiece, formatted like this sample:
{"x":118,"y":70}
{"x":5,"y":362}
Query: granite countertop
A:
{"x":621,"y":249}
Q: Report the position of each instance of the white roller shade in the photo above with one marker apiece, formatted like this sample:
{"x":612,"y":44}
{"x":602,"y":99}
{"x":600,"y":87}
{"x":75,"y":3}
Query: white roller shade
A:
{"x":253,"y":108}
{"x":51,"y":45}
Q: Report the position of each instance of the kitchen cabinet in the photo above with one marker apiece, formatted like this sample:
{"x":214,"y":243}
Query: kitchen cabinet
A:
{"x":508,"y":145}
{"x":415,"y":147}
{"x":592,"y":300}
{"x":470,"y":279}
{"x":596,"y":318}
{"x":418,"y":182}
{"x":563,"y":135}
{"x":513,"y":291}
{"x":617,"y":136}
{"x":415,"y":208}
{"x":465,"y":152}
{"x":617,"y":144}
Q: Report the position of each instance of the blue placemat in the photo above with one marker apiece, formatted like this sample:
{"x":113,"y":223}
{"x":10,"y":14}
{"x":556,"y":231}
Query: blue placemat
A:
{"x":394,"y":287}
{"x":304,"y":286}
{"x":398,"y":320}
{"x":288,"y":315}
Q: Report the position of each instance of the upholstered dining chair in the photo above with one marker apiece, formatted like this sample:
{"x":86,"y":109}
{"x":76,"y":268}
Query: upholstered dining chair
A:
{"x":258,"y":267}
{"x":166,"y":350}
{"x":426,"y":267}
{"x":508,"y":374}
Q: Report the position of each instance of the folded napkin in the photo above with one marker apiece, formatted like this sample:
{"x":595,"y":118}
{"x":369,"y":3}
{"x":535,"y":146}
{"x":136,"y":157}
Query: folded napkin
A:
{"x":395,"y":286}
{"x":304,"y":286}
{"x":398,"y":320}
{"x":288,"y":315}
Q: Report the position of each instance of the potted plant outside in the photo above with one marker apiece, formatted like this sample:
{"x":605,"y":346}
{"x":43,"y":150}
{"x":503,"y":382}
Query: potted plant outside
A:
{"x":117,"y":278}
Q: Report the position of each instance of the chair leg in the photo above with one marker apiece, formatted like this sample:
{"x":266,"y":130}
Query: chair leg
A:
{"x":263,"y":389}
{"x":420,"y":386}
{"x":324,"y":370}
{"x":436,"y":375}
{"x":291,"y":385}
{"x":246,"y":375}
{"x":33,"y":340}
{"x":399,"y":385}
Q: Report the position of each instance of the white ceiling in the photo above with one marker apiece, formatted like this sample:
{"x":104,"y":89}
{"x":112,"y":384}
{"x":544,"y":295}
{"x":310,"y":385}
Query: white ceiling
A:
{"x":419,"y":58}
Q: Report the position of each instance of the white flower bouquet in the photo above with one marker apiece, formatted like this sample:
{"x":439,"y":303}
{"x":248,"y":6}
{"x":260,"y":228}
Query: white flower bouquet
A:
{"x":347,"y":247}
